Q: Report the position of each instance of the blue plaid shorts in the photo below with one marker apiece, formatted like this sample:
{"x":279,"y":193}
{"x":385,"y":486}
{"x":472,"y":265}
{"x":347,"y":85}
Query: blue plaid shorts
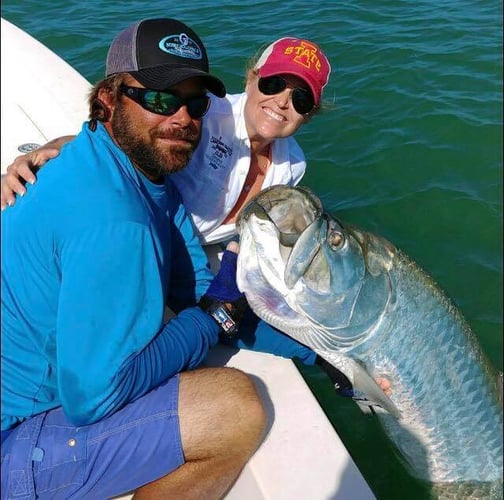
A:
{"x":46,"y":457}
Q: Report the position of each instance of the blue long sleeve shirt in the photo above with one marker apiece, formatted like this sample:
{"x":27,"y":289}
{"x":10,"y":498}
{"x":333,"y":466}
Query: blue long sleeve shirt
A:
{"x":90,"y":257}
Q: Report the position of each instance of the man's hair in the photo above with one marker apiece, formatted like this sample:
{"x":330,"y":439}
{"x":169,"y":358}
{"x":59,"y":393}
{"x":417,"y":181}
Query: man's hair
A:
{"x":97,"y":109}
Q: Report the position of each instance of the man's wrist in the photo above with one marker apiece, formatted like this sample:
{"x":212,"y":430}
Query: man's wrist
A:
{"x":222,"y":314}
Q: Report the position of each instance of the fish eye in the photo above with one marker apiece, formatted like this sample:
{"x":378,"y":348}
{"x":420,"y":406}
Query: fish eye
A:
{"x":335,"y":239}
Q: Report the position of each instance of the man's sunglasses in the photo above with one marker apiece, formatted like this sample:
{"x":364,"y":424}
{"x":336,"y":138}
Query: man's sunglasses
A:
{"x":302,"y":99}
{"x":166,"y":103}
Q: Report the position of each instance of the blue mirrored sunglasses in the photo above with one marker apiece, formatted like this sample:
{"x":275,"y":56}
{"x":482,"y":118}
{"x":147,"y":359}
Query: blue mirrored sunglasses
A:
{"x":166,"y":103}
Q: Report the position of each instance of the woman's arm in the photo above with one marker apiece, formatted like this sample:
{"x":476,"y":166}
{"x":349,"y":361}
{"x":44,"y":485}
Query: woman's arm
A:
{"x":24,"y":168}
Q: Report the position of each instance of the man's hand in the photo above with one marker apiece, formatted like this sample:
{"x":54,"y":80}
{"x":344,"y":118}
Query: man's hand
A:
{"x":223,"y":301}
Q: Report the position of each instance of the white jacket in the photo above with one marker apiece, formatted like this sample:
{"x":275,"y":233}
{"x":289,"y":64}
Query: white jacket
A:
{"x":213,"y":180}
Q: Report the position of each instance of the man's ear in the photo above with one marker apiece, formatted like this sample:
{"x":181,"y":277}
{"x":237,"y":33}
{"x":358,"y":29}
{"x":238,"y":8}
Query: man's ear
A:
{"x":106,"y":103}
{"x":100,"y":111}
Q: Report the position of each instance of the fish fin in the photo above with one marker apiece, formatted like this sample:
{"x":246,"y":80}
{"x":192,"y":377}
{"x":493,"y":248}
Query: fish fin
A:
{"x":373,"y":393}
{"x":368,"y":407}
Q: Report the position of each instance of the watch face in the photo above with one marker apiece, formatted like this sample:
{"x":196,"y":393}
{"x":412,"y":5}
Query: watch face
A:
{"x":225,"y":321}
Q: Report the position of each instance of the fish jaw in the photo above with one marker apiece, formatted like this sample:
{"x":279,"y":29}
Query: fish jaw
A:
{"x":271,"y":299}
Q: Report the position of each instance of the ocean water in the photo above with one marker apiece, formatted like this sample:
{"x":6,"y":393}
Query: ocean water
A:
{"x":409,"y":144}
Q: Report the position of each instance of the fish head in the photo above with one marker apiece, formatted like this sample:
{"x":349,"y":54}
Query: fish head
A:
{"x":303,"y":271}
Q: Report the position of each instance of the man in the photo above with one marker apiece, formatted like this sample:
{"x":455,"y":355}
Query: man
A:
{"x":94,"y":403}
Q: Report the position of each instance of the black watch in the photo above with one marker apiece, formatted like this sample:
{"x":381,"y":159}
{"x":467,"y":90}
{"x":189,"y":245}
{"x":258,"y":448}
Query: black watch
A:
{"x":221,"y":312}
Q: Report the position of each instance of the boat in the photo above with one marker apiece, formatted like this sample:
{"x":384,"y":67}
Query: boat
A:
{"x":302,"y":456}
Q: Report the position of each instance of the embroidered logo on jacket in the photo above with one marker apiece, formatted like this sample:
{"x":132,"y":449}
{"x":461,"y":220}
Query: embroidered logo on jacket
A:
{"x":219,"y":152}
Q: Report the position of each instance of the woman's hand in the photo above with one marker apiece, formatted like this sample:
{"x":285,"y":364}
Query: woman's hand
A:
{"x":24,"y":168}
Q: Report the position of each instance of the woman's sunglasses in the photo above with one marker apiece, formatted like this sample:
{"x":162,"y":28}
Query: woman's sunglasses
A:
{"x":166,"y":103}
{"x":302,"y":99}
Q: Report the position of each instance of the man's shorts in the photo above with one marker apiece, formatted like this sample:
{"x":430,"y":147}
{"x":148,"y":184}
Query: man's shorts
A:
{"x":47,"y":457}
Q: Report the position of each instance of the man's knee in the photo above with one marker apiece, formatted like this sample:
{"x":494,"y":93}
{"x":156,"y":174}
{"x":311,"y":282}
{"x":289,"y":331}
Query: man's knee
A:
{"x":220,"y":412}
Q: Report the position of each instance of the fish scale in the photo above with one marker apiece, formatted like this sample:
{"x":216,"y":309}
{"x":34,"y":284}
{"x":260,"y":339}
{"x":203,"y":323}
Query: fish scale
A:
{"x":455,"y":399}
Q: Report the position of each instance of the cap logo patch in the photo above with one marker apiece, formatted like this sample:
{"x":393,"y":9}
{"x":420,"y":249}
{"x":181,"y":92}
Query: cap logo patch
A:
{"x":181,"y":46}
{"x":305,"y":54}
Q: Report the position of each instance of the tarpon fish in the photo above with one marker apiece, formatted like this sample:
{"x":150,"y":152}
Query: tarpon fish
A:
{"x":370,"y":311}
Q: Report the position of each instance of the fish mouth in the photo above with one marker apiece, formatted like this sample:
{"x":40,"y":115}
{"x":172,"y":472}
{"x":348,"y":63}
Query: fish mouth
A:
{"x":300,"y":223}
{"x":281,"y":206}
{"x":266,"y":202}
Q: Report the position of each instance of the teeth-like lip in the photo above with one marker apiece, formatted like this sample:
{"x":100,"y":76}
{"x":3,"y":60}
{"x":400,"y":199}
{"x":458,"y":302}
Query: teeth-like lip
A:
{"x":273,"y":115}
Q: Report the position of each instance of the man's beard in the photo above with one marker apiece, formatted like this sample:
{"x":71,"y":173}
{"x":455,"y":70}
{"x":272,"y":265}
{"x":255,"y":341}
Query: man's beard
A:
{"x":152,"y":160}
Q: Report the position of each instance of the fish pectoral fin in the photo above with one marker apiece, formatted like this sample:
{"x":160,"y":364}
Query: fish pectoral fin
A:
{"x":372,"y":393}
{"x":368,"y":407}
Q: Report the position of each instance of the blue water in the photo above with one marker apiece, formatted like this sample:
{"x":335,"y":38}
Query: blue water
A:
{"x":409,"y":146}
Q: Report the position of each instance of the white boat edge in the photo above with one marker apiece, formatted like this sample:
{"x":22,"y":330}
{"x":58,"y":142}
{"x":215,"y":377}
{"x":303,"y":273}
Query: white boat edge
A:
{"x":302,"y":456}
